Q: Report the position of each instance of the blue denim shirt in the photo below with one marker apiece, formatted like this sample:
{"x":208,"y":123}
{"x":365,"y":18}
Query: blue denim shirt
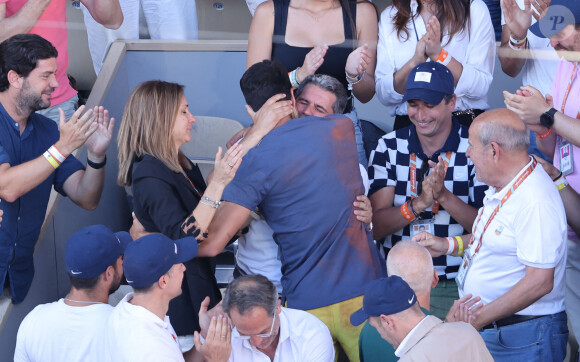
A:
{"x":23,"y":218}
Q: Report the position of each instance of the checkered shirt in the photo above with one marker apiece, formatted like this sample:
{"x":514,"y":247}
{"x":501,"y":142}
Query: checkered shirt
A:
{"x":389,"y":166}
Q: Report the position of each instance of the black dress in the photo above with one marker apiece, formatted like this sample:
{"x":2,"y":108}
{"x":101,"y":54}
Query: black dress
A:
{"x":163,"y":202}
{"x":292,"y":57}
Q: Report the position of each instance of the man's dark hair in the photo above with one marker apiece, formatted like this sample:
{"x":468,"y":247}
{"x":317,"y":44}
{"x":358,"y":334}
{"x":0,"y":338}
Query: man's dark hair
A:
{"x":84,"y":284}
{"x":250,"y":291}
{"x":263,"y":80}
{"x":87,"y":284}
{"x":21,"y":54}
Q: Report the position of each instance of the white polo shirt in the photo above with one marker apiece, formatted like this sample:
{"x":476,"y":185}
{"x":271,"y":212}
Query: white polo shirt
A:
{"x":303,"y":337}
{"x":529,"y":230}
{"x":60,"y":332}
{"x":136,"y":334}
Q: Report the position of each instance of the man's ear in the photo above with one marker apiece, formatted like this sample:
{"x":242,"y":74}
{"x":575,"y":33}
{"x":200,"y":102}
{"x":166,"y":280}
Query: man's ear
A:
{"x":435,"y":279}
{"x":496,"y":149}
{"x":15,"y":79}
{"x":109,"y":273}
{"x":293,"y":100}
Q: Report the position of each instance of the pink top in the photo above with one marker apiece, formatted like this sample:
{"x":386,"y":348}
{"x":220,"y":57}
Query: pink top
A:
{"x":51,"y":26}
{"x":561,"y":81}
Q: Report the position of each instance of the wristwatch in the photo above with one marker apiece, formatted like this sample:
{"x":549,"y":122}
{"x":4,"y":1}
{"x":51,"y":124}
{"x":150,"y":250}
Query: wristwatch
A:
{"x":547,"y":118}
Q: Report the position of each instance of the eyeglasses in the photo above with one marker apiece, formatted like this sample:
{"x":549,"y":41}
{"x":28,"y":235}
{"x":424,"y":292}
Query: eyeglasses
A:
{"x":267,"y":335}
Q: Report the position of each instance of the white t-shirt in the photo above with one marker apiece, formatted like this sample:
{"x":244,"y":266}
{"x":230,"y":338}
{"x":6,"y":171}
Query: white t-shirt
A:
{"x":303,"y":337}
{"x":475,"y":50}
{"x":539,"y":70}
{"x":529,"y":230}
{"x":60,"y":332}
{"x":136,"y":334}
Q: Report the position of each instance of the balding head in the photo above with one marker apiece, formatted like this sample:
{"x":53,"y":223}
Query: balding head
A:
{"x":413,"y":263}
{"x":503,"y":127}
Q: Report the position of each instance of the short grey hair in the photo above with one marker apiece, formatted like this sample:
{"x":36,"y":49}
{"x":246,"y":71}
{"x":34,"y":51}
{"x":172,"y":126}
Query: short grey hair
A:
{"x":330,"y":84}
{"x":250,"y":291}
{"x":507,"y":137}
{"x":413,"y":263}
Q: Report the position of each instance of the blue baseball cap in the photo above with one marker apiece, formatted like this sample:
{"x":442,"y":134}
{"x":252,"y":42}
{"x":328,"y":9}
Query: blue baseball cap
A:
{"x":560,"y":14}
{"x":151,"y":256}
{"x":386,"y":296}
{"x":90,"y":251}
{"x":429,"y":82}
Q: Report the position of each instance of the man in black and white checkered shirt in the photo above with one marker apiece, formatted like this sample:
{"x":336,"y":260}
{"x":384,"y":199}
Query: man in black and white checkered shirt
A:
{"x":446,"y":195}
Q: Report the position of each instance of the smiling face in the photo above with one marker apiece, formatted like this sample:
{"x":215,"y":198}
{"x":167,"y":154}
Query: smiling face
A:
{"x":257,"y":321}
{"x":182,"y":126}
{"x":315,"y":101}
{"x":36,"y":89}
{"x":431,"y":120}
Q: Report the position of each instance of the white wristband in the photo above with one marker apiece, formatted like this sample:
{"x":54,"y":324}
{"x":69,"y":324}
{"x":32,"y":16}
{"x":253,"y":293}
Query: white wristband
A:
{"x":451,"y":246}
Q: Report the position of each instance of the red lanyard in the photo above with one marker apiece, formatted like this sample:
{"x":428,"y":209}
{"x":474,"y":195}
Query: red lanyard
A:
{"x":413,"y":176}
{"x":510,"y":192}
{"x":568,"y":91}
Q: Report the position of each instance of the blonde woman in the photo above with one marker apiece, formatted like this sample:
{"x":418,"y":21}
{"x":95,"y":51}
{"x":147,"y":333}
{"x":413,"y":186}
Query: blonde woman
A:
{"x":170,"y":195}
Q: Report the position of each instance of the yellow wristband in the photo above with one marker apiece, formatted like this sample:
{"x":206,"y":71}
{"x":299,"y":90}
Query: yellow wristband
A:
{"x":53,"y":161}
{"x":459,"y":245}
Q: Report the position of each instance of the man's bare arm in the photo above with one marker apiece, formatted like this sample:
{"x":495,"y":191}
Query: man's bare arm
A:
{"x":228,"y":219}
{"x":105,"y":12}
{"x":17,"y":180}
{"x":535,"y":284}
{"x":23,"y":20}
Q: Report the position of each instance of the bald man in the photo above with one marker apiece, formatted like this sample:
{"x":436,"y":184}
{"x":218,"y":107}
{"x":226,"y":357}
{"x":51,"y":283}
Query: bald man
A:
{"x":413,"y":263}
{"x":515,"y":257}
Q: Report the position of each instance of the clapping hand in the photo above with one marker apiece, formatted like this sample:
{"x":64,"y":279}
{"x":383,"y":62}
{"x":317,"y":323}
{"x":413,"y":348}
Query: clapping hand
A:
{"x":312,"y":62}
{"x":75,"y":132}
{"x":436,"y":179}
{"x":357,"y":61}
{"x":433,"y":39}
{"x":529,"y":104}
{"x":100,"y":140}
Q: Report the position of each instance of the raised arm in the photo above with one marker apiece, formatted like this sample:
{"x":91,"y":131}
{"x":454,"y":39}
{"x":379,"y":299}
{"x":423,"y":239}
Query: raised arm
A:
{"x":23,"y":20}
{"x":517,"y":23}
{"x":84,"y":188}
{"x":364,"y":58}
{"x":261,"y":34}
{"x":17,"y":180}
{"x":105,"y":12}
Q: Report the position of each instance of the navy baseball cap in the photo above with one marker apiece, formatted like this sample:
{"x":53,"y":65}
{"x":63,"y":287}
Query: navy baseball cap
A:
{"x":151,"y":256}
{"x":90,"y":251}
{"x":386,"y":296}
{"x":560,"y":14}
{"x":429,"y":82}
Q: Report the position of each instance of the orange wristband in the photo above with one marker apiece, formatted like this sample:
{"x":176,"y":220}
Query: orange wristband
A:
{"x":443,"y":57}
{"x":545,"y":134}
{"x":406,"y":213}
